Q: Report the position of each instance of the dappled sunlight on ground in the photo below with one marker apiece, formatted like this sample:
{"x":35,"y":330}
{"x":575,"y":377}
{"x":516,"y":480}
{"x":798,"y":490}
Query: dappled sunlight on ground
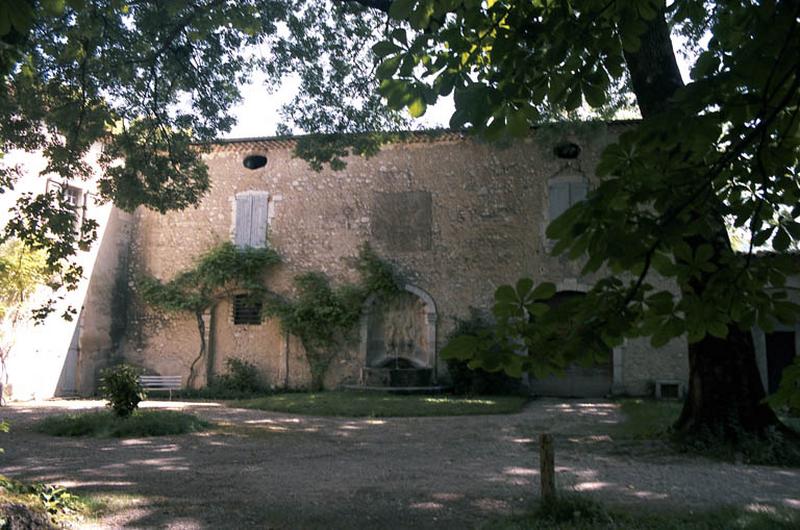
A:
{"x":591,"y":439}
{"x":426,"y":505}
{"x":258,"y":469}
{"x":516,"y":471}
{"x":591,"y":486}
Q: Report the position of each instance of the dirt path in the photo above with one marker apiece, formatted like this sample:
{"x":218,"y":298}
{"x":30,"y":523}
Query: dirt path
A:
{"x":269,"y":470}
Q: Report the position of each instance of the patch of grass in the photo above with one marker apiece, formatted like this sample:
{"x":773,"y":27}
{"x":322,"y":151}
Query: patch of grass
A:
{"x":106,"y":424}
{"x":359,"y":404}
{"x":38,"y":505}
{"x":576,"y":512}
{"x":646,"y":419}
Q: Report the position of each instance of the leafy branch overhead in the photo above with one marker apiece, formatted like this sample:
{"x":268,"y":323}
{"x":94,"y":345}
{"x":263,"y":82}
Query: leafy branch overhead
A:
{"x":149,"y":81}
{"x":532,"y":334}
{"x":719,"y":150}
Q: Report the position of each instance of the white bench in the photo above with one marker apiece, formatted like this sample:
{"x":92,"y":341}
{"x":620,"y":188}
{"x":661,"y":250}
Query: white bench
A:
{"x":161,"y":382}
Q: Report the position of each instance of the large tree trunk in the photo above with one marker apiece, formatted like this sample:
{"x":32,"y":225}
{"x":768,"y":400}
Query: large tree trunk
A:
{"x":725,"y":392}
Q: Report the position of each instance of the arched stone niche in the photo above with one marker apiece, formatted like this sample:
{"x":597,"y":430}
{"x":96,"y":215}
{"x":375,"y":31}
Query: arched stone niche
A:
{"x":399,"y":334}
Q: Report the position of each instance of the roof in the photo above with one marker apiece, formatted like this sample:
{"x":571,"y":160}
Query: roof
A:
{"x":289,"y":141}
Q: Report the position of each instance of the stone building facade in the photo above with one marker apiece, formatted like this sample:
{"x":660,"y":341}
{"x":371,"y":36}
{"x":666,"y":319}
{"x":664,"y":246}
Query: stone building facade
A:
{"x":457,"y":217}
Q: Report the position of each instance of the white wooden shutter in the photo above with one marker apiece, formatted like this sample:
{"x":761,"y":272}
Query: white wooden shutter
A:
{"x":244,"y":216}
{"x":258,"y":221}
{"x":559,"y":198}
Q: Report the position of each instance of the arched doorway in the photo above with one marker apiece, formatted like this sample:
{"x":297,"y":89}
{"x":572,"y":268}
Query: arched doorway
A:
{"x":398,"y":339}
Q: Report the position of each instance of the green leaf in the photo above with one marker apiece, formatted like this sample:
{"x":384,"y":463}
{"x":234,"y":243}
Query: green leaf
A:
{"x":461,"y":348}
{"x":518,"y":125}
{"x":782,"y":240}
{"x":388,"y":67}
{"x":417,"y":107}
{"x":401,"y":9}
{"x":506,"y":294}
{"x":524,"y":285}
{"x":399,"y":35}
{"x":595,"y":95}
{"x":537,"y":309}
{"x":53,"y":7}
{"x":544,"y":291}
{"x":383,"y":48}
{"x":704,"y":253}
{"x":717,"y":329}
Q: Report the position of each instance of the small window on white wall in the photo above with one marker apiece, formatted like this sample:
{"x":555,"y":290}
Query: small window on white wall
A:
{"x":251,"y":211}
{"x":563,"y":193}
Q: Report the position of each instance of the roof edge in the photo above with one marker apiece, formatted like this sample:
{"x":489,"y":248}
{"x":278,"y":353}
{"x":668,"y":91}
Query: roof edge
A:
{"x":408,"y":136}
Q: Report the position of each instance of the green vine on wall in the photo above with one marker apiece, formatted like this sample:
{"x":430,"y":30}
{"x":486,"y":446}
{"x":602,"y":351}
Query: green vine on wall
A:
{"x":219,"y":273}
{"x":324,"y":317}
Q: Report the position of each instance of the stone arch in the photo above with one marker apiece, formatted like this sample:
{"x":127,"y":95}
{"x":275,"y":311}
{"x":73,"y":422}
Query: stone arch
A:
{"x":418,"y":341}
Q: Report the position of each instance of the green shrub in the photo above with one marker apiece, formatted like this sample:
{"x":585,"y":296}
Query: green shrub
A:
{"x":241,"y":376}
{"x":121,"y":387}
{"x":109,"y":425}
{"x":53,"y":499}
{"x":467,"y":381}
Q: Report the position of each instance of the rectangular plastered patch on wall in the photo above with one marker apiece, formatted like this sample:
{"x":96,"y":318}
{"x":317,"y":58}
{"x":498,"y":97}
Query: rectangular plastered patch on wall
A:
{"x":401,"y":221}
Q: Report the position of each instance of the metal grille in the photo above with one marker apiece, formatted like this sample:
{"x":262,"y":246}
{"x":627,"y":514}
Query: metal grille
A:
{"x":246,"y":311}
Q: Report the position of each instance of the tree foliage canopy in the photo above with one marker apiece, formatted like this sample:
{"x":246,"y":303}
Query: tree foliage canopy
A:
{"x":664,"y":192}
{"x":152,"y":78}
{"x":150,"y":81}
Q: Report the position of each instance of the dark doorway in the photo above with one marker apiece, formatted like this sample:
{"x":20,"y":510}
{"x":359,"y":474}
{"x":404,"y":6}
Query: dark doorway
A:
{"x":780,"y":354}
{"x":580,"y":381}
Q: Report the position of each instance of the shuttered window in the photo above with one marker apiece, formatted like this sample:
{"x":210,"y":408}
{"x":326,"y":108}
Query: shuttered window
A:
{"x":563,"y":194}
{"x":251,"y":219}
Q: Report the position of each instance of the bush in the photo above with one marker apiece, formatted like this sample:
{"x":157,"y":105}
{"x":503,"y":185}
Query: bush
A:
{"x":109,"y":425}
{"x":241,"y":376}
{"x":240,"y":381}
{"x":121,"y":387}
{"x":467,"y":381}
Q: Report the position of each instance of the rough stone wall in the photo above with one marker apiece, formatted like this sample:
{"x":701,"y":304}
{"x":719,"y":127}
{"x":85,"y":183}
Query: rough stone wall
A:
{"x":642,"y":366}
{"x":487,"y":208}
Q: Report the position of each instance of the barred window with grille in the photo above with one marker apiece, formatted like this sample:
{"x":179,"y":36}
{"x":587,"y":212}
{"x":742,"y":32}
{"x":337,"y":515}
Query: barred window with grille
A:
{"x":246,"y":311}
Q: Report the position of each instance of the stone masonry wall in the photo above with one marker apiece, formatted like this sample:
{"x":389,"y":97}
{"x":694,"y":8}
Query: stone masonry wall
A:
{"x":476,"y":218}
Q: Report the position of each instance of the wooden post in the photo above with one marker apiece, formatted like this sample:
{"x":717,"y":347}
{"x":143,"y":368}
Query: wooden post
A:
{"x":547,"y":468}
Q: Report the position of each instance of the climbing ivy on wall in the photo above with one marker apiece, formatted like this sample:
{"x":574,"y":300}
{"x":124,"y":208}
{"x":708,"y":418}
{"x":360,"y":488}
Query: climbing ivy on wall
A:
{"x":324,"y":317}
{"x":217,"y":274}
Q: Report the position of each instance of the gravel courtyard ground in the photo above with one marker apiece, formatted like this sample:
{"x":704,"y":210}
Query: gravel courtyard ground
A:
{"x":267,"y":470}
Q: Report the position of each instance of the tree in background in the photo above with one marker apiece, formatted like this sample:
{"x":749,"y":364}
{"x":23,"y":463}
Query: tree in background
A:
{"x":22,"y":272}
